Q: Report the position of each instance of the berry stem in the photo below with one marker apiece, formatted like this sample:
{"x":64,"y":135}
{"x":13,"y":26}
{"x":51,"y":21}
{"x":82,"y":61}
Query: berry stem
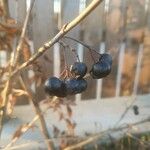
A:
{"x":80,"y":42}
{"x":76,"y":54}
{"x":72,"y":49}
{"x":64,"y":53}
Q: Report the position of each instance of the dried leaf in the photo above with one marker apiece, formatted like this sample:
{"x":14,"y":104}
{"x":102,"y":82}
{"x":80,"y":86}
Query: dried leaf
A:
{"x":71,"y":126}
{"x":63,"y":144}
{"x":11,"y":104}
{"x":19,"y":92}
{"x":26,"y":51}
{"x":9,"y":28}
{"x":69,"y":111}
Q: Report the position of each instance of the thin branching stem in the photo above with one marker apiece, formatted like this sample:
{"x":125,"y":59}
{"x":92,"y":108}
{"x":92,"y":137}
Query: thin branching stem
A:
{"x":82,"y":43}
{"x":13,"y":61}
{"x":65,"y":29}
{"x":64,"y":54}
{"x":38,"y":111}
{"x":19,"y":46}
{"x":85,"y":45}
{"x":29,"y":125}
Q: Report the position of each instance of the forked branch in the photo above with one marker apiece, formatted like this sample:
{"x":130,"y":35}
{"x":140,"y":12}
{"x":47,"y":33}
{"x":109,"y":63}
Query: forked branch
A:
{"x":65,"y":29}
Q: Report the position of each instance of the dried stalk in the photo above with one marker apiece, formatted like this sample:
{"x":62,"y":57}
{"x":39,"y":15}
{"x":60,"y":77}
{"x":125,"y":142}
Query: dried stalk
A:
{"x":101,"y":134}
{"x":5,"y":9}
{"x":65,"y":29}
{"x":39,"y":113}
{"x":21,"y":41}
{"x":25,"y":130}
{"x":30,"y":124}
{"x":144,"y":144}
{"x":13,"y":61}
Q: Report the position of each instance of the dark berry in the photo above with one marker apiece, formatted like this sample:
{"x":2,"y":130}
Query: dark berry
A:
{"x":100,"y":70}
{"x":71,"y":86}
{"x":55,"y":87}
{"x":74,"y":86}
{"x":79,"y":69}
{"x":106,"y":58}
{"x":82,"y":85}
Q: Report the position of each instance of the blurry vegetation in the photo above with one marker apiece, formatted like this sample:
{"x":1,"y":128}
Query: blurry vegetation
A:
{"x":131,"y":142}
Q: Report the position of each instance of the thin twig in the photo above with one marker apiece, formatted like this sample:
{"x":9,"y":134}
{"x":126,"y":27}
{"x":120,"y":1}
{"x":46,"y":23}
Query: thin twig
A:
{"x":82,"y":43}
{"x":5,"y":9}
{"x":72,"y":50}
{"x":64,"y":54}
{"x":101,"y":134}
{"x":7,"y":88}
{"x":65,"y":29}
{"x":125,"y":112}
{"x":21,"y":41}
{"x":144,"y":144}
{"x":25,"y":130}
{"x":37,"y":109}
{"x":29,"y":125}
{"x":85,"y":45}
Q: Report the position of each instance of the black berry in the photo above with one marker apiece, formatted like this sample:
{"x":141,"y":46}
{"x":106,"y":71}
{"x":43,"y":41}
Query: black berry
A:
{"x":74,"y":86}
{"x":82,"y":85}
{"x":106,"y":58}
{"x":79,"y":69}
{"x":55,"y":87}
{"x":100,"y":70}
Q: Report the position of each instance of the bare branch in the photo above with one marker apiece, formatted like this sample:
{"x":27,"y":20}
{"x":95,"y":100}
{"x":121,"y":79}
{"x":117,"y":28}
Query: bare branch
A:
{"x":40,"y":115}
{"x":19,"y":47}
{"x":65,"y":29}
{"x":7,"y":88}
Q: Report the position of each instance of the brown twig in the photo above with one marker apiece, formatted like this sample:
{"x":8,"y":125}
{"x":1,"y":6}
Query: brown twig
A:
{"x":21,"y":41}
{"x":13,"y":61}
{"x":29,"y":125}
{"x":65,"y":29}
{"x":5,"y":9}
{"x":144,"y":144}
{"x":6,"y":89}
{"x":39,"y":113}
{"x":25,"y":130}
{"x":101,"y":134}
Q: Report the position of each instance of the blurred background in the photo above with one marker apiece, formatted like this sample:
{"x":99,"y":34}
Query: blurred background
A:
{"x":118,"y":27}
{"x":121,"y":28}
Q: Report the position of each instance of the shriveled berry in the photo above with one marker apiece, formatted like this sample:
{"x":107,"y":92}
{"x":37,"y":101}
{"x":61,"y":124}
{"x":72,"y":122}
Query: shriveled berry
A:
{"x":106,"y":58}
{"x":79,"y":69}
{"x":55,"y":87}
{"x":100,"y":70}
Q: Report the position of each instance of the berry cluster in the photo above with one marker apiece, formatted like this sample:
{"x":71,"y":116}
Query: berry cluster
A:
{"x":70,"y":86}
{"x":74,"y":84}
